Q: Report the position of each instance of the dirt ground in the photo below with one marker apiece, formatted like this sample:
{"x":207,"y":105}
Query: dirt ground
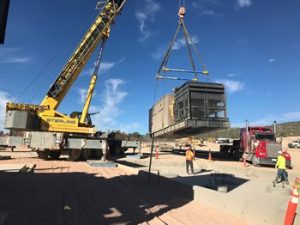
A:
{"x":63,"y":192}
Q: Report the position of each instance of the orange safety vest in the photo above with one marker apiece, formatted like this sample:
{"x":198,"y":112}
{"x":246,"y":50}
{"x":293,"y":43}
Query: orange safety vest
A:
{"x":189,"y":155}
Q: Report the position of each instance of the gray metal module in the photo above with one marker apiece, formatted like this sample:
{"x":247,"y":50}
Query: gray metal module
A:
{"x":198,"y":107}
{"x":21,"y":120}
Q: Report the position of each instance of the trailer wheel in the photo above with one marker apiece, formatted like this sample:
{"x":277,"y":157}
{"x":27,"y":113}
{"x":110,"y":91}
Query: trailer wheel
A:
{"x":236,"y":154}
{"x":85,"y":154}
{"x":42,"y":154}
{"x":74,"y":154}
{"x":54,"y":154}
{"x":97,"y":153}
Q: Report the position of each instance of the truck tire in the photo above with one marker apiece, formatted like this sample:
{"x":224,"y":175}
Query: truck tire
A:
{"x":224,"y":149}
{"x":54,"y":154}
{"x":85,"y":154}
{"x":42,"y":154}
{"x":97,"y":153}
{"x":74,"y":154}
{"x":236,"y":154}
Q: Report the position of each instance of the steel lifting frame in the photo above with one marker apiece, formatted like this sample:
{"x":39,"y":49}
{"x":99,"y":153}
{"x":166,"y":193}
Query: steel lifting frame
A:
{"x":190,"y":45}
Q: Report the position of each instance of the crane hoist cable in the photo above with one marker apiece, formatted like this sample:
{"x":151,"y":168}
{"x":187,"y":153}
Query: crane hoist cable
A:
{"x":38,"y":75}
{"x":189,"y":45}
{"x":181,"y":3}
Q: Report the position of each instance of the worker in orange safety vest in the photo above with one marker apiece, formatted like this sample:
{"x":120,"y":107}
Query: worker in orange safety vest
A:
{"x":189,"y":156}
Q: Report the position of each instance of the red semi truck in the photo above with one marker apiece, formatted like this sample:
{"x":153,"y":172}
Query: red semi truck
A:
{"x":258,"y":145}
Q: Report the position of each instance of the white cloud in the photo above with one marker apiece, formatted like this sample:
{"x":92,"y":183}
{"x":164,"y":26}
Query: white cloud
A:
{"x":11,"y":56}
{"x":129,"y":128}
{"x":105,"y":66}
{"x":159,"y":52}
{"x":4,"y":98}
{"x":109,"y":110}
{"x":203,"y":4}
{"x":271,"y":60}
{"x":269,"y":119}
{"x":209,"y":12}
{"x":6,"y":51}
{"x":15,"y":60}
{"x":231,"y":86}
{"x":244,"y":3}
{"x":121,"y":60}
{"x":147,"y":15}
{"x":82,"y":93}
{"x":232,"y":75}
{"x":207,"y":8}
{"x":181,"y":42}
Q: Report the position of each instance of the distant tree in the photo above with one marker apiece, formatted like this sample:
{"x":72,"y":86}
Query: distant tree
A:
{"x":135,"y":136}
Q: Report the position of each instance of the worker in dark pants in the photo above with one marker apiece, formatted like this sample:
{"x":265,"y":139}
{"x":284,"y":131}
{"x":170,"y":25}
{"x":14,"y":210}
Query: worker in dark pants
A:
{"x":189,"y":157}
{"x":281,"y":170}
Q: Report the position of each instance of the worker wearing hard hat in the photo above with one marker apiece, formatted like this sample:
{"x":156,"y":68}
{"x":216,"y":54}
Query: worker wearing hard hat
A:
{"x":281,"y":170}
{"x":189,"y":156}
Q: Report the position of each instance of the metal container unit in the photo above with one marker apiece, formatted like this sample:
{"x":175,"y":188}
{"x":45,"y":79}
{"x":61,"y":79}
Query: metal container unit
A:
{"x":198,"y":107}
{"x":198,"y":101}
{"x":161,"y":115}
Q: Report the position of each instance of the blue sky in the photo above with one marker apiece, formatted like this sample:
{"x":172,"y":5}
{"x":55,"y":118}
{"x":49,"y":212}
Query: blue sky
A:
{"x":252,"y":46}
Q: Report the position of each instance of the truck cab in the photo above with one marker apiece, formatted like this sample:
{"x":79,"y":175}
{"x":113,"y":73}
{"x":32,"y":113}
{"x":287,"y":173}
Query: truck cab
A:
{"x":259,"y":145}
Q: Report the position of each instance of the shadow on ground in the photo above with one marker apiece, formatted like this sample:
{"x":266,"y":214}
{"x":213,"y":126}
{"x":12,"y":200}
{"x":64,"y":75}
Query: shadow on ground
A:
{"x":130,"y":164}
{"x":80,"y":198}
{"x":214,"y":181}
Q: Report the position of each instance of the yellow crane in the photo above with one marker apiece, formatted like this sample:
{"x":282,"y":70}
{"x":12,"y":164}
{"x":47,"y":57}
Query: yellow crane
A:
{"x":52,"y":132}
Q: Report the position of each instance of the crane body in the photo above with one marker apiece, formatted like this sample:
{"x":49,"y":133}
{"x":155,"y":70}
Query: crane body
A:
{"x":51,"y":132}
{"x":50,"y":118}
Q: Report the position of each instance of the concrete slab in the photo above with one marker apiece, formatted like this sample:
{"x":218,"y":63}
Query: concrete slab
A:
{"x":255,"y":200}
{"x":100,"y":163}
{"x":135,"y":156}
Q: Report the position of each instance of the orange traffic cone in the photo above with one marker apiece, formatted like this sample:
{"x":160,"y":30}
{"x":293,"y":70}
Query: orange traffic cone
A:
{"x":156,"y":152}
{"x":293,"y":203}
{"x":209,"y":155}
